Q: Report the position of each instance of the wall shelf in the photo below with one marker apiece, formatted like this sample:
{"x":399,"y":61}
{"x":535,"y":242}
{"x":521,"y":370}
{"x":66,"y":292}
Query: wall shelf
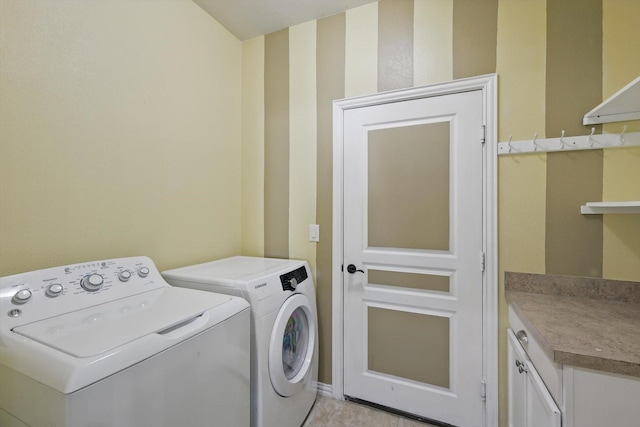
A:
{"x":595,"y":208}
{"x":621,"y":106}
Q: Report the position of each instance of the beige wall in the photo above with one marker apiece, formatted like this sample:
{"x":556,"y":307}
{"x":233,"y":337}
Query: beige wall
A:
{"x":119,"y":133}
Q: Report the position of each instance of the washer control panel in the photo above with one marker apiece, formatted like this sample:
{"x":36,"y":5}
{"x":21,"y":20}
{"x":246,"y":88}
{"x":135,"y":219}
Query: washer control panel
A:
{"x":53,"y":291}
{"x":292,"y":279}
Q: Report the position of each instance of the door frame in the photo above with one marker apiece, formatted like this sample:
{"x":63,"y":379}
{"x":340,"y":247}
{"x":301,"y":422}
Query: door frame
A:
{"x":488,"y":85}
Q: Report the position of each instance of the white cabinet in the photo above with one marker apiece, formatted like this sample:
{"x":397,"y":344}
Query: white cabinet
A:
{"x":517,"y":380}
{"x":530,"y":403}
{"x":597,"y":398}
{"x":542,"y":393}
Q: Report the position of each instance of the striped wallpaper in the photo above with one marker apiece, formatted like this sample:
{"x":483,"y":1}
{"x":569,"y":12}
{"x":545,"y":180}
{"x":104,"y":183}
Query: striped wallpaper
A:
{"x":365,"y":50}
{"x":552,"y":63}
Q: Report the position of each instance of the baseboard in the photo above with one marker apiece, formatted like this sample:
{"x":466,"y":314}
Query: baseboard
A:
{"x":325,"y":390}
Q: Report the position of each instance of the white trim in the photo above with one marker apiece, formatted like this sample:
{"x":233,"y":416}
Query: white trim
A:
{"x":325,"y":390}
{"x":491,"y":241}
{"x":488,"y":84}
{"x":337,"y":299}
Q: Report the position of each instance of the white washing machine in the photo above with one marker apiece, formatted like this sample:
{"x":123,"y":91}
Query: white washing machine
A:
{"x":284,"y":333}
{"x":111,"y":344}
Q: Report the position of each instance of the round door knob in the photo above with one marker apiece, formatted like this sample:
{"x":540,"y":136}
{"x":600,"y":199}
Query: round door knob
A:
{"x":92,"y":282}
{"x":143,"y":272}
{"x":22,"y":296}
{"x":124,"y":275}
{"x":54,"y":290}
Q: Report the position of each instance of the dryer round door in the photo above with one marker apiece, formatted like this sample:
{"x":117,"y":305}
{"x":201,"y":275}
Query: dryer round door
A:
{"x":292,"y":344}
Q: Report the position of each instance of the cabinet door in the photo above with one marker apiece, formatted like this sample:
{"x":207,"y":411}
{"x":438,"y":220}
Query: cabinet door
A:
{"x":517,"y":383}
{"x":530,"y":403}
{"x":542,"y":411}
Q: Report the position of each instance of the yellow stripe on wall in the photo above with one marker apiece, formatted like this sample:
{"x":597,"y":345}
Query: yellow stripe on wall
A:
{"x":303,"y":137}
{"x":521,"y":63}
{"x":621,"y":168}
{"x":621,"y":44}
{"x":621,"y":233}
{"x":361,"y":57}
{"x":432,"y":41}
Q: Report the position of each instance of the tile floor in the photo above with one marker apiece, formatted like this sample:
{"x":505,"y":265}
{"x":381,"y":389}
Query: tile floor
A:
{"x":329,"y":412}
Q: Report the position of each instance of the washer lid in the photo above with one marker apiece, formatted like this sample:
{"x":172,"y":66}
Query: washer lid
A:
{"x":230,"y":271}
{"x":98,"y":329}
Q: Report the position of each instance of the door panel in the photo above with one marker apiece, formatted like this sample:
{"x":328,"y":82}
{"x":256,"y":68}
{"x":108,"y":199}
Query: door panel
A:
{"x":421,"y":281}
{"x":413,"y":225}
{"x":398,"y":199}
{"x":398,"y":339}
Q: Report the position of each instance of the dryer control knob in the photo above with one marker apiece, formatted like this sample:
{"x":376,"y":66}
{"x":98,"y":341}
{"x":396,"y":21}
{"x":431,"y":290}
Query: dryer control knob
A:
{"x":54,"y":290}
{"x":143,"y":272}
{"x":22,"y":296}
{"x":291,"y":285}
{"x":92,"y":282}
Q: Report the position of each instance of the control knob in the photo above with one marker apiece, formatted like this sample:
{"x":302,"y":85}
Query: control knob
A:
{"x":92,"y":282}
{"x":54,"y":290}
{"x":143,"y":271}
{"x":124,"y":275}
{"x":22,"y":296}
{"x":290,"y":285}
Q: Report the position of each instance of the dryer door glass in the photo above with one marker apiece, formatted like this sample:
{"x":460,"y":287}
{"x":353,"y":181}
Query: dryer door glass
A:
{"x":295,"y":343}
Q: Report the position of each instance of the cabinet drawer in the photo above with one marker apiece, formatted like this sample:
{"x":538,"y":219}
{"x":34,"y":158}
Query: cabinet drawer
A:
{"x":551,"y":373}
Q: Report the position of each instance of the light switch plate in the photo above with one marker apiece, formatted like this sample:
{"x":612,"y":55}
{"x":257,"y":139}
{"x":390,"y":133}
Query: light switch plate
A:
{"x":314,"y":232}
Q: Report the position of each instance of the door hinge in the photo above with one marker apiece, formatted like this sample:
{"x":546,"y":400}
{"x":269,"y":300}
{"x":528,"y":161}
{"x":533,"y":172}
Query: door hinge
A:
{"x":483,"y":390}
{"x":483,"y":134}
{"x":483,"y":261}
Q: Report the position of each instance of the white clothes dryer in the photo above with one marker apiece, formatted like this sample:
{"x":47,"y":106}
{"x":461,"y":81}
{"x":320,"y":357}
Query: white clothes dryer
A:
{"x":111,"y":344}
{"x":284,"y":331}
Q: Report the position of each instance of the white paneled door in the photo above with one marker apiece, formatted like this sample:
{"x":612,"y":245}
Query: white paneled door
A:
{"x":413,"y":256}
